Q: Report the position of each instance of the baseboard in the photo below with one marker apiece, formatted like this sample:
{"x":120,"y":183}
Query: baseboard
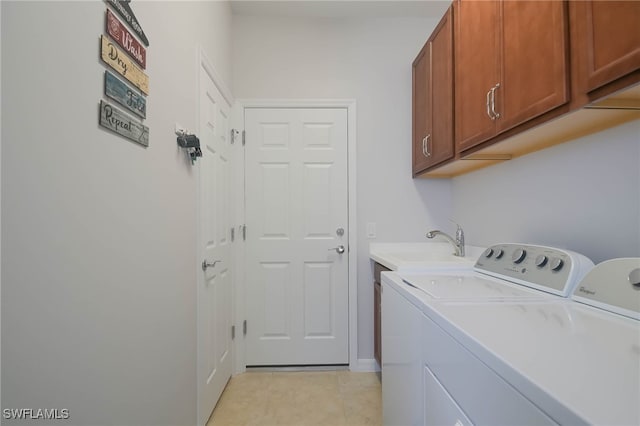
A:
{"x":290,"y":368}
{"x":364,"y":365}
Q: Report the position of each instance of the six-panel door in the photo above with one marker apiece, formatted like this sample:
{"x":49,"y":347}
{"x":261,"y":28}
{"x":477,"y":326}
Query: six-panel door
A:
{"x":296,"y":215}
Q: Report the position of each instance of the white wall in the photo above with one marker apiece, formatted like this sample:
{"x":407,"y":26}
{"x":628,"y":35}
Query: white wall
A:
{"x":368,"y":60}
{"x":98,"y":233}
{"x":0,"y":213}
{"x":583,"y":195}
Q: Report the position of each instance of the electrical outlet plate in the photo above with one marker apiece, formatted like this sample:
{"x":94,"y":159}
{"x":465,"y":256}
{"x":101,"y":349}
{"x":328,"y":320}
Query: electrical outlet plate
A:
{"x":371,"y":229}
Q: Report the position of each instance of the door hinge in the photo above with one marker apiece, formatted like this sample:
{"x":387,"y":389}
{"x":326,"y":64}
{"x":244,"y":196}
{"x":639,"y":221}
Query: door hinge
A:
{"x":233,"y":234}
{"x":234,"y":134}
{"x":233,"y":332}
{"x":244,"y":232}
{"x":244,"y":137}
{"x":244,"y":328}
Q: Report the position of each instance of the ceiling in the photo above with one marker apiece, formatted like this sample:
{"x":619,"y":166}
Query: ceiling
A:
{"x":341,"y":8}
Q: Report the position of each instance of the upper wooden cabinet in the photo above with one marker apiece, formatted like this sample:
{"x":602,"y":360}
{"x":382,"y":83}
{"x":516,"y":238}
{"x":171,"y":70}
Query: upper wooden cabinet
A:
{"x":527,"y":75}
{"x":607,"y":38}
{"x":433,"y":141}
{"x":510,"y":65}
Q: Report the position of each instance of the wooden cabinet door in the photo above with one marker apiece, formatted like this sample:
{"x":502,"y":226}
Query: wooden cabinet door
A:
{"x":433,"y":98}
{"x":610,"y":38}
{"x":441,"y":143}
{"x":476,"y":69}
{"x":421,"y":108}
{"x":534,"y":64}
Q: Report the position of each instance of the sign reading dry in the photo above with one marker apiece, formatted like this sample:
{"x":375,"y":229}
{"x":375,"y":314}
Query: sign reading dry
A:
{"x":119,"y":61}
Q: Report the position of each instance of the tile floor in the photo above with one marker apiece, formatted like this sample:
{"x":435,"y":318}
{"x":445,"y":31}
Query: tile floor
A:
{"x":320,"y":398}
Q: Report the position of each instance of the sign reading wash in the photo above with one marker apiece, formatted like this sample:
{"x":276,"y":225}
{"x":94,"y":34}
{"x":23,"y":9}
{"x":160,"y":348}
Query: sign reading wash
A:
{"x":123,"y":9}
{"x":127,"y":63}
{"x":119,"y":33}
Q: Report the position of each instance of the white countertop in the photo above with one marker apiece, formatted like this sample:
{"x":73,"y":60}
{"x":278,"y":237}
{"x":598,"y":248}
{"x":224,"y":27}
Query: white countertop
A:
{"x":407,"y":257}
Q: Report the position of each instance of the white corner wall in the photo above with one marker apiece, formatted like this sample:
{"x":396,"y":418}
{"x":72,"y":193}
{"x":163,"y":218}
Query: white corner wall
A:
{"x":368,"y":60}
{"x":583,"y":195}
{"x":98,"y":233}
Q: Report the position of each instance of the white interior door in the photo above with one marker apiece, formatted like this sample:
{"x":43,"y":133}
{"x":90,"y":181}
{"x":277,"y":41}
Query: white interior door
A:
{"x":215,"y":281}
{"x":296,"y":205}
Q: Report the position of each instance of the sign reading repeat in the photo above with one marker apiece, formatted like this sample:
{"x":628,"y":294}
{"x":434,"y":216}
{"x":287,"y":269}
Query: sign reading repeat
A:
{"x":115,"y":120}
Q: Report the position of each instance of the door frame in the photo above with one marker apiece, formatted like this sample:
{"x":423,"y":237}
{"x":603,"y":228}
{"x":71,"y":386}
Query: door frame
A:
{"x":203,"y":63}
{"x":238,"y":123}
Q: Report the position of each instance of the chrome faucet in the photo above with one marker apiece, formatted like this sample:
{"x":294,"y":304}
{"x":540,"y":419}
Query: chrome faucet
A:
{"x":458,"y":243}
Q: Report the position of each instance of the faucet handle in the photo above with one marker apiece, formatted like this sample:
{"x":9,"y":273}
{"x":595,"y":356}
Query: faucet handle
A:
{"x":459,"y":228}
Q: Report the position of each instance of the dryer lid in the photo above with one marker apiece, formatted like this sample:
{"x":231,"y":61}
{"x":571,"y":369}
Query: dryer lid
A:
{"x":613,"y":285}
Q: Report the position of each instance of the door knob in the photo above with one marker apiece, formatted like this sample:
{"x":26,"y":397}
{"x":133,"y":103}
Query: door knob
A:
{"x":206,"y":264}
{"x":340,"y":249}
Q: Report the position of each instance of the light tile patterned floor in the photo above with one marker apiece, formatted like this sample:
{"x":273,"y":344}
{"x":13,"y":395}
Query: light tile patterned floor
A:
{"x":323,"y":398}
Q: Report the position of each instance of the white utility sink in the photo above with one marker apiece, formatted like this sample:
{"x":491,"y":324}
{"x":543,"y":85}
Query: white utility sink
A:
{"x":422,"y":256}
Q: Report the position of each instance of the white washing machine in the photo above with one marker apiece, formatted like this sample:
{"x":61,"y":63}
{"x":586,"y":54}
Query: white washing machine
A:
{"x":503,"y":273}
{"x":508,"y":349}
{"x":575,"y":361}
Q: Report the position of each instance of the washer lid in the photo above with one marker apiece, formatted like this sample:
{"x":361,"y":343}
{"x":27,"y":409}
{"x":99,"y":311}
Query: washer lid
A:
{"x":470,"y":287}
{"x":613,"y":285}
{"x":559,"y":354}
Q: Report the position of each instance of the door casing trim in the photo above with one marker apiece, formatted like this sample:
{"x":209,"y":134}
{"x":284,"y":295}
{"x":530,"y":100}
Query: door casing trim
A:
{"x":350,"y":106}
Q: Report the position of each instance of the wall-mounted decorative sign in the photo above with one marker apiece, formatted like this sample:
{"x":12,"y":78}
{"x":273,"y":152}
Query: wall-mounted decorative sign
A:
{"x":115,"y":120}
{"x":120,"y":92}
{"x":119,"y":61}
{"x":121,"y":35}
{"x":127,"y":64}
{"x":123,"y":9}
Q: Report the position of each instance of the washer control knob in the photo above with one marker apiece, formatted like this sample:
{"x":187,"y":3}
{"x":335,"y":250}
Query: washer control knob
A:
{"x":541,"y":260}
{"x":634,"y":278}
{"x":518,"y":255}
{"x":556,"y":264}
{"x":499,"y":253}
{"x":488,"y":253}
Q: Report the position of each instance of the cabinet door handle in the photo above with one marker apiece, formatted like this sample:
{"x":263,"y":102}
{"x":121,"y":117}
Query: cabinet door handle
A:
{"x":425,"y":146}
{"x":493,"y":101}
{"x":489,"y":105}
